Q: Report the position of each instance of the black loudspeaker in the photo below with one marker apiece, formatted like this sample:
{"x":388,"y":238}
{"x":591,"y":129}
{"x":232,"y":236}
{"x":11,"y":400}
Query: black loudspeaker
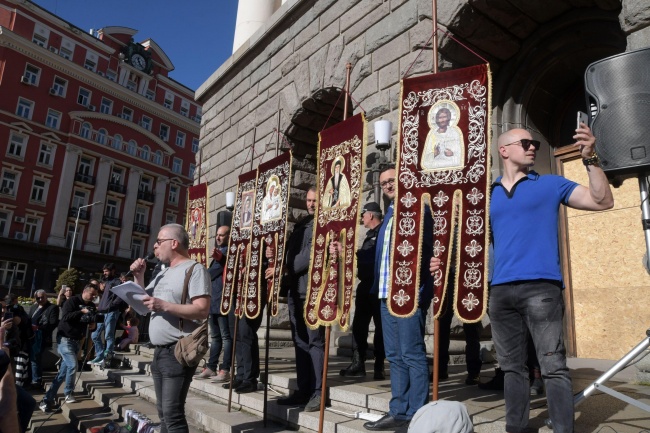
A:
{"x":618,"y":95}
{"x":224,"y":218}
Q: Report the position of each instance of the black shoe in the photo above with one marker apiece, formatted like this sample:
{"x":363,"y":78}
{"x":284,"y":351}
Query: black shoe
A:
{"x":246,"y":387}
{"x":235,"y":384}
{"x":386,"y":422}
{"x":472,"y":380}
{"x":379,"y":375}
{"x":294,"y":399}
{"x":356,"y":369}
{"x":313,"y":404}
{"x":537,"y":386}
{"x":496,"y":383}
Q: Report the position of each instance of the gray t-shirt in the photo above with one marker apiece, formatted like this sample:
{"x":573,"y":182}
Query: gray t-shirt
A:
{"x":168,"y":286}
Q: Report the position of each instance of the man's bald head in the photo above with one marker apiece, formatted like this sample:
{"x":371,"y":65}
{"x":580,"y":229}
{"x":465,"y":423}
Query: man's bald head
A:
{"x":512,"y":136}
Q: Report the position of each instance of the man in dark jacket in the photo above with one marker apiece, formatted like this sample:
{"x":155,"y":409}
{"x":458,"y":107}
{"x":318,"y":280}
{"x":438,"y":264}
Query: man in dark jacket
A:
{"x":219,"y":324}
{"x":76,"y":316}
{"x":366,"y":305}
{"x":111,"y":305}
{"x":309,"y":344}
{"x":45,"y":318}
{"x":25,"y":335}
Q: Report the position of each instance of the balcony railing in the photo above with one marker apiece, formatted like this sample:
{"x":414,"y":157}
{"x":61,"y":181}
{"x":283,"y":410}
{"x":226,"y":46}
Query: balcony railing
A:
{"x":85,"y":178}
{"x":111,"y":221}
{"x":146,"y":196}
{"x":141,"y":228}
{"x":116,"y":187}
{"x":83,"y":214}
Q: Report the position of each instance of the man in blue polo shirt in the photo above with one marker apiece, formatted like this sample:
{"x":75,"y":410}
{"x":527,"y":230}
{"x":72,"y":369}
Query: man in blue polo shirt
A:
{"x":526,"y":289}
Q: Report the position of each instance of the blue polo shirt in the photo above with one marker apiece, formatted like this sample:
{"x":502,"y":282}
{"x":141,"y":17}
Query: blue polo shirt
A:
{"x":525,"y":228}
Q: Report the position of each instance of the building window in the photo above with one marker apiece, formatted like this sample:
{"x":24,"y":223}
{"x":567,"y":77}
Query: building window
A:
{"x":191,"y":170}
{"x":117,"y":142}
{"x":25,"y":108}
{"x":17,"y":145}
{"x":59,"y":86}
{"x":112,"y":208}
{"x":158,"y":157}
{"x":9,"y":182}
{"x":79,"y":198}
{"x":85,"y":130}
{"x":164,"y":132}
{"x":32,"y":228}
{"x":180,"y":139}
{"x":106,"y":245}
{"x":150,"y":95}
{"x":101,"y":136}
{"x":170,"y":218}
{"x":39,"y":191}
{"x":65,"y":52}
{"x":32,"y":74}
{"x":4,"y":223}
{"x":146,"y":123}
{"x":145,"y":153}
{"x":131,"y":85}
{"x":53,"y":119}
{"x":127,"y":113}
{"x":177,"y":165}
{"x":195,"y":145}
{"x":169,"y":101}
{"x":84,"y":97}
{"x":185,"y":108}
{"x":39,"y":40}
{"x":12,"y":273}
{"x":141,"y":215}
{"x":91,"y":61}
{"x":137,"y":248}
{"x":146,"y":184}
{"x":85,"y":166}
{"x":111,"y":75}
{"x":106,"y":107}
{"x":132,"y":148}
{"x":46,"y":154}
{"x":117,"y":175}
{"x":173,"y":194}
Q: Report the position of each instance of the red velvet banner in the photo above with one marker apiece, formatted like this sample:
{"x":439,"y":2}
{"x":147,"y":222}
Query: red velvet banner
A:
{"x":341,"y":151}
{"x":197,"y":222}
{"x":238,"y":246}
{"x":443,"y":162}
{"x":269,"y":226}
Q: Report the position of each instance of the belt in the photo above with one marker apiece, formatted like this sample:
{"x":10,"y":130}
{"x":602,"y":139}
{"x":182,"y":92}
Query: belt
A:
{"x":164,"y":346}
{"x":68,"y":338}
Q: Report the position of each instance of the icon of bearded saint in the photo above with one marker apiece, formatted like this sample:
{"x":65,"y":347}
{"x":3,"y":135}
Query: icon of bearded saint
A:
{"x":443,"y":147}
{"x":337,"y":189}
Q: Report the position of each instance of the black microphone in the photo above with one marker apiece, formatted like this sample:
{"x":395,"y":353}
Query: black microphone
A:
{"x":146,"y":259}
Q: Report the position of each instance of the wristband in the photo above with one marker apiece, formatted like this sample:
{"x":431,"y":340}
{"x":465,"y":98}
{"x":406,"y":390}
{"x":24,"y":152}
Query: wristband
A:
{"x":592,"y":160}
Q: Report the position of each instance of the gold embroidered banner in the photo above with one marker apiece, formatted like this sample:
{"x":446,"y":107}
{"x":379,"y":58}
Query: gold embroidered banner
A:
{"x":269,"y":227}
{"x":341,"y":151}
{"x":443,"y":162}
{"x":238,"y":245}
{"x":197,"y":222}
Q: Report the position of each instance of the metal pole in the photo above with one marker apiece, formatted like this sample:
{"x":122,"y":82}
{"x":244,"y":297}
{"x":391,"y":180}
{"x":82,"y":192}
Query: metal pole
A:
{"x":76,"y":224}
{"x":11,"y":281}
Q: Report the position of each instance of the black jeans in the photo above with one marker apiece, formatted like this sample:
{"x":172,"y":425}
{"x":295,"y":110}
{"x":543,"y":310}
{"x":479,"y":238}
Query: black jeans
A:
{"x":172,"y":382}
{"x":309,"y":347}
{"x":248,"y":350}
{"x":472,"y":333}
{"x":366,"y":307}
{"x":538,"y":307}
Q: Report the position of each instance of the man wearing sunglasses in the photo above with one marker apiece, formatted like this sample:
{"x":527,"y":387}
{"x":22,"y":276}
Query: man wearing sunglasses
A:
{"x":526,"y":288}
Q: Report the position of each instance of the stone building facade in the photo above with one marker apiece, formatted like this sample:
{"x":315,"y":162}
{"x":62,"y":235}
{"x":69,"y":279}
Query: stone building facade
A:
{"x":288,"y":77}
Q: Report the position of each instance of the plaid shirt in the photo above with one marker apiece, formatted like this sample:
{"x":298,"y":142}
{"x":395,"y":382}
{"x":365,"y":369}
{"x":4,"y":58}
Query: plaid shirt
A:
{"x":384,"y":258}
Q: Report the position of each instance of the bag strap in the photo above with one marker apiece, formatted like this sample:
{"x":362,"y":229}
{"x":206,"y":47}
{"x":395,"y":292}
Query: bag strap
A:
{"x":186,"y":288}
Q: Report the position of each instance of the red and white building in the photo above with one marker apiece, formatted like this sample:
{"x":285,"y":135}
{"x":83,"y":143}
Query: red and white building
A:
{"x":86,"y":117}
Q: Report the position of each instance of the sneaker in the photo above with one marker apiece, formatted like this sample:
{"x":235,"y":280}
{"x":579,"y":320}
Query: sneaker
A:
{"x":537,"y":386}
{"x":472,"y":380}
{"x":47,"y":407}
{"x":313,"y":404}
{"x":70,"y":399}
{"x":207,"y":372}
{"x":96,"y":361}
{"x":222,"y":376}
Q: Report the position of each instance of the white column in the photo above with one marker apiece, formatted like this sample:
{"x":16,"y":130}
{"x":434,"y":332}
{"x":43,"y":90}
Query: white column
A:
{"x":130,"y":204}
{"x":158,"y":207}
{"x":96,"y":212}
{"x":144,"y":84}
{"x":64,"y":194}
{"x":251,"y":15}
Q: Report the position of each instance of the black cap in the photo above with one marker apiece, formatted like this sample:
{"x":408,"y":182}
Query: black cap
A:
{"x":371,"y":207}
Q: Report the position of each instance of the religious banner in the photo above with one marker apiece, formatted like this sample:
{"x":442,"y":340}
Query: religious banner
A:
{"x":238,"y":245}
{"x":443,"y":163}
{"x":269,"y":229}
{"x":341,"y":151}
{"x":197,"y":222}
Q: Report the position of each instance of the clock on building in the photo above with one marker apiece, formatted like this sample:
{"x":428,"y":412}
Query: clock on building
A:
{"x":138,"y":62}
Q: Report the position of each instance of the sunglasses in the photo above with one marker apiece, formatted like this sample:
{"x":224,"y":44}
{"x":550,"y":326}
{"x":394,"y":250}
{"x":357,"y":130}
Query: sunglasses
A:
{"x":525,"y":144}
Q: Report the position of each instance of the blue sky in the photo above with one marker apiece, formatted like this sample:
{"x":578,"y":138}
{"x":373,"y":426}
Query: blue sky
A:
{"x":196,"y":35}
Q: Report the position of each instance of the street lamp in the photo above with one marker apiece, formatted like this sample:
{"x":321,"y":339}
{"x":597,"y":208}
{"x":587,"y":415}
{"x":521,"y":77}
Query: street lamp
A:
{"x":76,"y":223}
{"x":383,"y":130}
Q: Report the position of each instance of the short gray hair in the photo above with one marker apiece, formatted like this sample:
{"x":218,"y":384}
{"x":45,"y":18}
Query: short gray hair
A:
{"x":179,"y":234}
{"x":39,"y":292}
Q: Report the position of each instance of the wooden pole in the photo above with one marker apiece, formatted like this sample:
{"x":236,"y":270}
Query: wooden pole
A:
{"x":328,"y":329}
{"x":436,"y":322}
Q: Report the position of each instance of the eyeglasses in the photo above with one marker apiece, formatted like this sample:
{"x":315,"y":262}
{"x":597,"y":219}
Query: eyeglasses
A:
{"x":385,"y":183}
{"x":525,"y":144}
{"x":160,"y":241}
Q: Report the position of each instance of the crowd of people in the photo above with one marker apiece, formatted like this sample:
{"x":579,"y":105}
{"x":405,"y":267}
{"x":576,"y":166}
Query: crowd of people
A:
{"x":525,"y":307}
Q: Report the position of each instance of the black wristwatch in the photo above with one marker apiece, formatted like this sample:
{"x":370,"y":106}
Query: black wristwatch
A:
{"x":592,"y":160}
